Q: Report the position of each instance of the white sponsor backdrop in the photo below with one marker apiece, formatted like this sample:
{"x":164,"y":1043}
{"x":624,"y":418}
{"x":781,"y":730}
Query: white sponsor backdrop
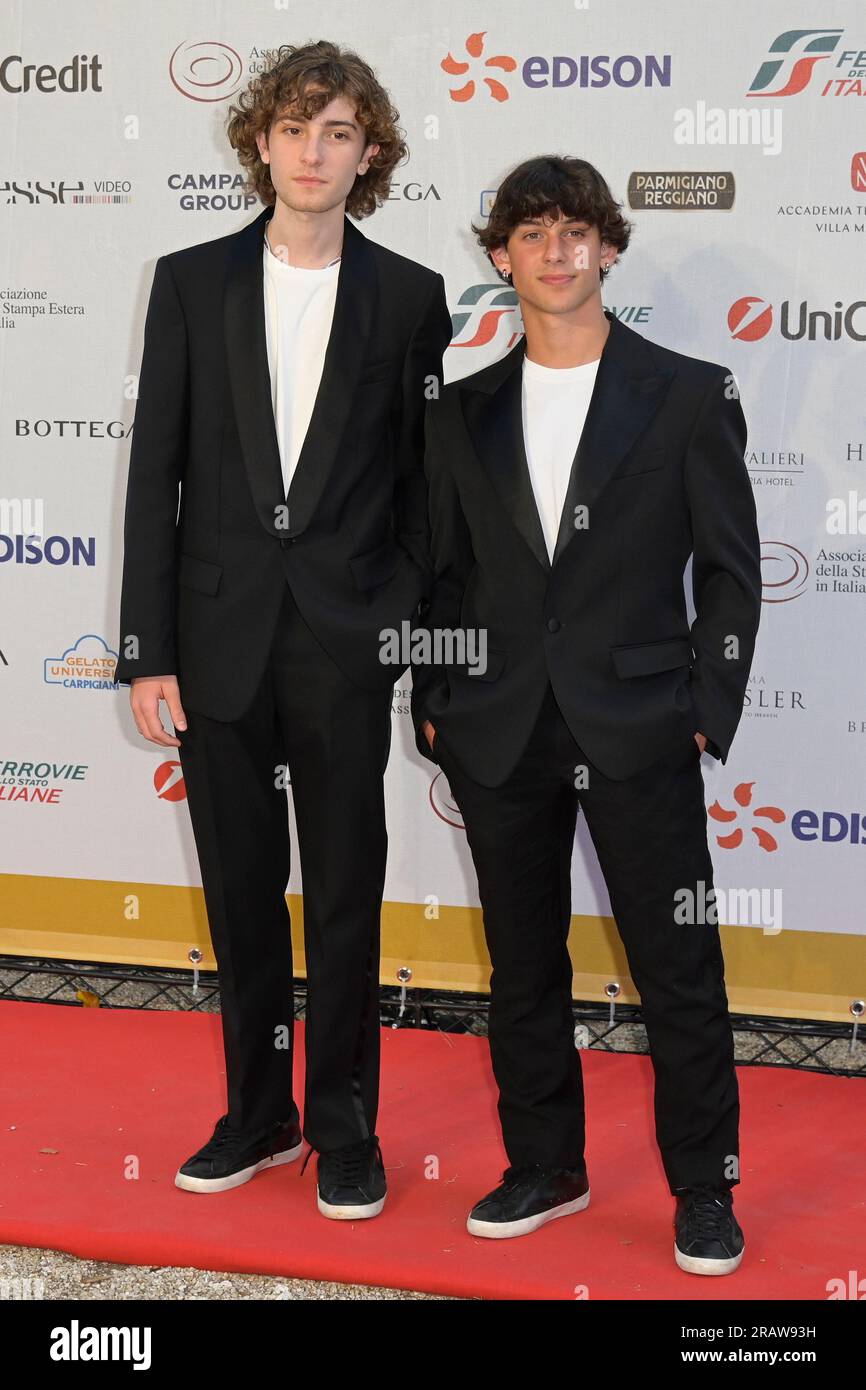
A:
{"x":98,"y":183}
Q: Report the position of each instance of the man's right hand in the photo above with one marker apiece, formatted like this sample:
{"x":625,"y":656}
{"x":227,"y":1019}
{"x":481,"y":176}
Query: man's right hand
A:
{"x":429,"y":732}
{"x":144,"y":697}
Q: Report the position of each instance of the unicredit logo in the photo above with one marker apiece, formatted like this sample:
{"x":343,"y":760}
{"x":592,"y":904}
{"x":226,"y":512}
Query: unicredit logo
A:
{"x":80,"y":74}
{"x":169,"y":783}
{"x":751,"y":318}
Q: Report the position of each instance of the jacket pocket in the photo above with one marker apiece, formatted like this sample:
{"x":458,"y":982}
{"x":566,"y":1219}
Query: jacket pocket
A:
{"x":375,"y":566}
{"x":645,"y":658}
{"x":641,"y":461}
{"x":198,"y":574}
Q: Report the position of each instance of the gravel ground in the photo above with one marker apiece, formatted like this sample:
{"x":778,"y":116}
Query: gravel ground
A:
{"x":55,"y":1275}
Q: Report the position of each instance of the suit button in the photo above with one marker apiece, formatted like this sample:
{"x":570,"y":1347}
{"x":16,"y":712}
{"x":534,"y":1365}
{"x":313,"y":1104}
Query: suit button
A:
{"x":553,"y":625}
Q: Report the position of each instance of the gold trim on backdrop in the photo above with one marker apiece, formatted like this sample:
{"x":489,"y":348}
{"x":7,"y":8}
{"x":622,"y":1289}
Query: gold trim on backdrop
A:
{"x":795,"y":974}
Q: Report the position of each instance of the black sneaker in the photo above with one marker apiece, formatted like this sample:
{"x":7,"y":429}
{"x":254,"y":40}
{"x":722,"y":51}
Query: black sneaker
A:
{"x":351,"y":1180}
{"x":529,"y":1195}
{"x":230,"y":1158}
{"x":708,"y":1237}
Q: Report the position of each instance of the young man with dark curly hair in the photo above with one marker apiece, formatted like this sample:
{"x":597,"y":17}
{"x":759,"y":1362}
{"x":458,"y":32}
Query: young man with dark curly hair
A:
{"x":569,"y":483}
{"x":285,"y":373}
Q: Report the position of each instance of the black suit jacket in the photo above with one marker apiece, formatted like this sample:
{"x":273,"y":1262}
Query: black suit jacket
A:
{"x":202,"y":584}
{"x":660,"y":469}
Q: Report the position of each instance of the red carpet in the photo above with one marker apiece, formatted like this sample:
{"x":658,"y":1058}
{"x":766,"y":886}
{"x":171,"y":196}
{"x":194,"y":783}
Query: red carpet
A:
{"x":87,"y":1092}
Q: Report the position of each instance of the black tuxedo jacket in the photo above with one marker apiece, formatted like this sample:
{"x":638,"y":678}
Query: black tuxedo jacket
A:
{"x":660,"y":469}
{"x":202,"y":584}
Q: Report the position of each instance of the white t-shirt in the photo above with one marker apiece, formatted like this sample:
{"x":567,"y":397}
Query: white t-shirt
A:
{"x":299,"y":310}
{"x":554,"y":401}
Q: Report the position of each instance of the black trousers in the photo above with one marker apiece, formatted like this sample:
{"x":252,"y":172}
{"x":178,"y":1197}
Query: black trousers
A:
{"x":335,"y":739}
{"x":649,"y":833}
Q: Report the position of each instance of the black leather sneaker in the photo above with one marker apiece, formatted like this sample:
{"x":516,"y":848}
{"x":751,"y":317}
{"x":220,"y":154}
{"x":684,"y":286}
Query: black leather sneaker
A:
{"x":529,"y":1195}
{"x":230,"y":1158}
{"x":708,"y":1237}
{"x":351,"y":1180}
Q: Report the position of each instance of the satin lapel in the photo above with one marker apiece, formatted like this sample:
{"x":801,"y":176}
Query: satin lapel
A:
{"x":357,"y":290}
{"x":247,"y":355}
{"x":627,"y":393}
{"x":493,"y":416}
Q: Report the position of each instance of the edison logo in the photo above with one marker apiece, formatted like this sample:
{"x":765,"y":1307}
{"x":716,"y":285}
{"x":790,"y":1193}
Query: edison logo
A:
{"x":743,"y":798}
{"x":502,"y":62}
{"x":750,"y":318}
{"x":800,"y":50}
{"x":806,"y":824}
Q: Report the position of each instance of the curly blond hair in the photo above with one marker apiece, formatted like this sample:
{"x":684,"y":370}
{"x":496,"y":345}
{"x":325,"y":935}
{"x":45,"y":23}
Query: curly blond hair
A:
{"x":332,"y":71}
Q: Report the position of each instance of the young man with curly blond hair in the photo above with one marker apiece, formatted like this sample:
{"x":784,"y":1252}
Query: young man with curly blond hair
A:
{"x":570,"y":482}
{"x":283,"y":384}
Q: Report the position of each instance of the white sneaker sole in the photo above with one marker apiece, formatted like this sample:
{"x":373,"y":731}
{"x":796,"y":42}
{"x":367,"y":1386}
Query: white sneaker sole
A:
{"x":693,"y":1265}
{"x":502,"y":1230}
{"x":236,"y":1179}
{"x":349,"y":1213}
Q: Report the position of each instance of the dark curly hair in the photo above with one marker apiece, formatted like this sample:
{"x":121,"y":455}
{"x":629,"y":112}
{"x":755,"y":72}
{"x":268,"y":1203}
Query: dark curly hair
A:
{"x":546,"y":185}
{"x":285,"y":83}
